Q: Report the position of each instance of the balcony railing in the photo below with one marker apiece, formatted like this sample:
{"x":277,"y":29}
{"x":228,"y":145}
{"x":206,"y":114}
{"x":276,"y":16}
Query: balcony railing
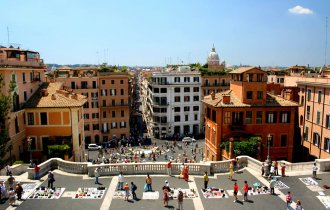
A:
{"x":19,"y":63}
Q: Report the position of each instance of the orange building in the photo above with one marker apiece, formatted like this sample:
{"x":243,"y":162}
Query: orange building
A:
{"x":55,"y":116}
{"x":248,"y":110}
{"x":26,"y":70}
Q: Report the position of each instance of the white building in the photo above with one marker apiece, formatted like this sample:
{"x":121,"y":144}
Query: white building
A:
{"x":176,"y":102}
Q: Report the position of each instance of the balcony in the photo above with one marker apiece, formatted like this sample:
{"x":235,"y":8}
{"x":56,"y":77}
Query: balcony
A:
{"x":115,"y":105}
{"x":216,"y":85}
{"x":19,"y":63}
{"x":237,"y":128}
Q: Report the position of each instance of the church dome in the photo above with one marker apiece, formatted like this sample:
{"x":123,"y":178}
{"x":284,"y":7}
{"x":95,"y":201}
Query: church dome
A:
{"x":213,"y":56}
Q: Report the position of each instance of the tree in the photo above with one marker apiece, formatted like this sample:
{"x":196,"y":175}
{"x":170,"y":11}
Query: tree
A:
{"x":5,"y":103}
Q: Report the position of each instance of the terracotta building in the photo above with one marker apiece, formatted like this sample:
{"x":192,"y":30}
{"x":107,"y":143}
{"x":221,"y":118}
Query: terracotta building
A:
{"x":246,"y":109}
{"x":55,"y":116}
{"x":26,"y":69}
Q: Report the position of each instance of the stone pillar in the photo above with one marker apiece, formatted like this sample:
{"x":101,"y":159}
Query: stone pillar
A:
{"x":75,"y":133}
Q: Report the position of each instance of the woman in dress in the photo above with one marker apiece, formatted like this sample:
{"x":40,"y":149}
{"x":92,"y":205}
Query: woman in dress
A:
{"x":126,"y":188}
{"x":166,"y":197}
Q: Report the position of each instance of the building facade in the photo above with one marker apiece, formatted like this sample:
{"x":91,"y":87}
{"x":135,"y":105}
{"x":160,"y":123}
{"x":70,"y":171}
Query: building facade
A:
{"x":248,"y":110}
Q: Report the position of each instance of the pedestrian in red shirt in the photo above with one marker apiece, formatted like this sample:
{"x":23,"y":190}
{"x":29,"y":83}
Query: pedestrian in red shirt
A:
{"x":246,"y":189}
{"x":283,"y":169}
{"x":235,"y":191}
{"x":36,"y":172}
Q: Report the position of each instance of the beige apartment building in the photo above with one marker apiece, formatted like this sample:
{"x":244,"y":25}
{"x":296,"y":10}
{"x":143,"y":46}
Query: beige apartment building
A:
{"x":26,"y":69}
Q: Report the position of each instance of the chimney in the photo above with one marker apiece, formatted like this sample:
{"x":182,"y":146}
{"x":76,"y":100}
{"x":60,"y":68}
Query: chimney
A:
{"x":53,"y":96}
{"x":226,"y":99}
{"x":213,"y":95}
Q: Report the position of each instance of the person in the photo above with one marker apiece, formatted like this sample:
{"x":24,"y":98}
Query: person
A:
{"x":185,"y":173}
{"x":169,"y":168}
{"x":36,"y":172}
{"x":120,"y":181}
{"x":272,"y":186}
{"x":237,"y":164}
{"x":126,"y":188}
{"x":235,"y":191}
{"x":234,"y":162}
{"x":276,"y":168}
{"x":271,"y":172}
{"x":19,"y":191}
{"x":246,"y":190}
{"x":165,"y":197}
{"x":3,"y":191}
{"x":314,"y":170}
{"x":133,"y":189}
{"x":180,"y":200}
{"x":51,"y":179}
{"x":206,"y":180}
{"x":149,"y":183}
{"x":298,"y":206}
{"x":8,"y":170}
{"x":97,"y":175}
{"x":283,"y":170}
{"x":11,"y":181}
{"x":262,"y":169}
{"x":288,"y":200}
{"x":11,"y":194}
{"x":231,"y":170}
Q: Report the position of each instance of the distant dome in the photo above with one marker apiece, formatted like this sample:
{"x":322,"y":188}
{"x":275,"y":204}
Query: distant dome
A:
{"x":213,"y":57}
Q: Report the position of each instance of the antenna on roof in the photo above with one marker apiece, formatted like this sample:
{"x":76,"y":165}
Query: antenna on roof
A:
{"x":326,"y":41}
{"x":8,"y":34}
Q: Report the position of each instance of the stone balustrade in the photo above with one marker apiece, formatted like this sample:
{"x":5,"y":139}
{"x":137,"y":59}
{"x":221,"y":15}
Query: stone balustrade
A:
{"x":160,"y":167}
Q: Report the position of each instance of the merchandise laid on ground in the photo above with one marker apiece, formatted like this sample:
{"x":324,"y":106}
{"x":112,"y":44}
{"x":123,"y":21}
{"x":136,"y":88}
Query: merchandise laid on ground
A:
{"x":280,"y":185}
{"x":259,"y":191}
{"x":231,"y":193}
{"x":214,"y":193}
{"x":308,"y":181}
{"x":187,"y":193}
{"x":46,"y":193}
{"x":28,"y":188}
{"x":325,"y":200}
{"x":150,"y":195}
{"x":120,"y":194}
{"x":89,"y":193}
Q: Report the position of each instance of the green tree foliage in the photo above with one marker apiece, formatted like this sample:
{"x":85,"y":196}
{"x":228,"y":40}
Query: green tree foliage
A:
{"x":247,"y":147}
{"x":58,"y":150}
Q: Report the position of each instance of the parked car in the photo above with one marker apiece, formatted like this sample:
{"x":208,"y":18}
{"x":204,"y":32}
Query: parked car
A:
{"x":94,"y":147}
{"x":188,"y":140}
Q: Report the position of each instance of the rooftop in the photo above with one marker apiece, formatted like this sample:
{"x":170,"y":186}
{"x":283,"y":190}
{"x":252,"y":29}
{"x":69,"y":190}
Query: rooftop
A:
{"x":51,"y":95}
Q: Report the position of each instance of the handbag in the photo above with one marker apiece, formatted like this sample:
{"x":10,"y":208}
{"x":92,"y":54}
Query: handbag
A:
{"x":145,"y":187}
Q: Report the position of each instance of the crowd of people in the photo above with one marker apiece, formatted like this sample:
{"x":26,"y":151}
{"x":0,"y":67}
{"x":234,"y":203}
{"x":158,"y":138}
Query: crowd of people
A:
{"x":11,"y":190}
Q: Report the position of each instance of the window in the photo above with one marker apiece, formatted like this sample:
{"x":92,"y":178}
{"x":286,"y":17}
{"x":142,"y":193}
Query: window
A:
{"x":259,"y":117}
{"x":284,"y":138}
{"x":327,"y":144}
{"x":186,"y":89}
{"x":249,"y":95}
{"x":227,"y":118}
{"x":186,"y":117}
{"x":25,"y":95}
{"x":176,"y":79}
{"x":104,"y":92}
{"x":308,"y":112}
{"x":94,"y":84}
{"x":113,"y":125}
{"x":248,"y":117}
{"x":121,"y":81}
{"x":113,"y":113}
{"x":23,"y":75}
{"x":196,"y":89}
{"x":96,"y":127}
{"x":176,"y":109}
{"x":318,"y":117}
{"x":122,"y":92}
{"x":271,"y":143}
{"x":113,"y":102}
{"x":156,"y":90}
{"x":285,"y":117}
{"x":306,"y":133}
{"x":122,"y":113}
{"x":86,"y":105}
{"x":73,"y":85}
{"x":196,"y":98}
{"x":271,"y":117}
{"x":177,"y":90}
{"x":33,"y":143}
{"x":186,"y":98}
{"x":84,"y":84}
{"x":86,"y":127}
{"x":302,"y":100}
{"x":95,"y":115}
{"x":186,"y":108}
{"x":214,"y":116}
{"x":196,"y":117}
{"x":316,"y":139}
{"x":196,"y":108}
{"x":122,"y":124}
{"x":260,"y":95}
{"x":177,"y":118}
{"x":30,"y":116}
{"x":319,"y":96}
{"x":163,"y":90}
{"x":86,"y":116}
{"x":43,"y":118}
{"x":113,"y":92}
{"x":104,"y":103}
{"x":309,"y":94}
{"x":103,"y":82}
{"x":112,"y":82}
{"x":104,"y":115}
{"x":327,"y":121}
{"x":186,"y":79}
{"x":196,"y":79}
{"x":95,"y":104}
{"x":122,"y":102}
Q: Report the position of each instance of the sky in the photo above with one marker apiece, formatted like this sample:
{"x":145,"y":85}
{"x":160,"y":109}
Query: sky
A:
{"x":159,"y":32}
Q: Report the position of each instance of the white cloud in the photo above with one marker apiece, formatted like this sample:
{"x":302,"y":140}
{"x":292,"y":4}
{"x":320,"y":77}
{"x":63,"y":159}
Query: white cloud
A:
{"x":300,"y":10}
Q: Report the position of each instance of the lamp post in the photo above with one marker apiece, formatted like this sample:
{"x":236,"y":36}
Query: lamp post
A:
{"x":269,"y":138}
{"x":29,"y":140}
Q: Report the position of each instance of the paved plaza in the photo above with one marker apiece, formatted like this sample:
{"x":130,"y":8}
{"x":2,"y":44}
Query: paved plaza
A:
{"x":72,"y":182}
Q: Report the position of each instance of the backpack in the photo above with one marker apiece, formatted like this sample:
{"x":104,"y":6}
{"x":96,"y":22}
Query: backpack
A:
{"x":134,"y":188}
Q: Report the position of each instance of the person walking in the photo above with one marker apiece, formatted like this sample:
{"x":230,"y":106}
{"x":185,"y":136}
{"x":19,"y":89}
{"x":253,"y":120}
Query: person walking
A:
{"x":19,"y":191}
{"x":97,"y":175}
{"x":272,"y":186}
{"x":149,"y":183}
{"x":299,"y":206}
{"x":120,"y":181}
{"x":276,"y":168}
{"x":288,"y":200}
{"x":186,"y":173}
{"x":166,"y":197}
{"x":169,"y":168}
{"x":180,"y":200}
{"x":231,"y":171}
{"x":11,"y":181}
{"x":262,"y":169}
{"x":283,"y":170}
{"x":36,"y":172}
{"x":51,"y":179}
{"x":314,"y":170}
{"x":246,"y":190}
{"x":11,"y":194}
{"x":126,"y":188}
{"x":206,"y":180}
{"x":133,"y":189}
{"x":235,"y":191}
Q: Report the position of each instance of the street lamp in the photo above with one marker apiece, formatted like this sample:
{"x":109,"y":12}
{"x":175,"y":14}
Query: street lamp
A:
{"x":29,"y":140}
{"x":269,"y":138}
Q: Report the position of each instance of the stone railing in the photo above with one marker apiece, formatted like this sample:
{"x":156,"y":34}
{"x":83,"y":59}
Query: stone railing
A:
{"x":15,"y":169}
{"x":160,"y":167}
